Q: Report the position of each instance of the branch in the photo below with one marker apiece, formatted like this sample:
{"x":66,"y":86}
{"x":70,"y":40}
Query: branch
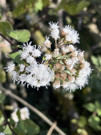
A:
{"x":6,"y":39}
{"x":51,"y":128}
{"x":40,"y":114}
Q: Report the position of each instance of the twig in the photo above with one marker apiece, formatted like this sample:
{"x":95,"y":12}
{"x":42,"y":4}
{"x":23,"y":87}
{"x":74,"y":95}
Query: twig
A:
{"x":51,"y":128}
{"x":6,"y":39}
{"x":60,"y":18}
{"x":40,"y":114}
{"x":6,"y":120}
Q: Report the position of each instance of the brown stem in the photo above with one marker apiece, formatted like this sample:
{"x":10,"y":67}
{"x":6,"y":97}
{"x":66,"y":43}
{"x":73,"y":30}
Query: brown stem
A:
{"x":56,"y":44}
{"x":6,"y":39}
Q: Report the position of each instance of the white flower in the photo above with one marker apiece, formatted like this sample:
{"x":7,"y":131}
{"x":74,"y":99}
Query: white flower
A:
{"x":48,"y":56}
{"x":36,"y":52}
{"x":24,"y":54}
{"x":28,"y":48}
{"x":71,"y":48}
{"x":71,"y":87}
{"x":86,"y":71}
{"x":56,"y":84}
{"x":10,"y":67}
{"x":47,"y":42}
{"x":81,"y":81}
{"x":56,"y":52}
{"x":22,"y":66}
{"x":24,"y":113}
{"x":71,"y":34}
{"x":2,"y":133}
{"x":65,"y":49}
{"x":15,"y":76}
{"x":71,"y":62}
{"x":65,"y":85}
{"x":36,"y":75}
{"x":54,"y":30}
{"x":30,"y":59}
{"x":14,"y":116}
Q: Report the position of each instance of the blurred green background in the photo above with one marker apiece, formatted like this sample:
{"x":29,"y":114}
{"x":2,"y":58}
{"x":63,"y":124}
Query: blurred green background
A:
{"x":77,"y":113}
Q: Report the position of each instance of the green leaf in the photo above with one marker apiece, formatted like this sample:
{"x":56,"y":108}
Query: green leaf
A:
{"x":26,"y":127}
{"x":20,"y":35}
{"x":2,"y":76}
{"x":23,"y":7}
{"x":81,"y":5}
{"x":94,"y":122}
{"x":98,"y":108}
{"x":5,"y":28}
{"x":61,"y":62}
{"x":13,"y":55}
{"x":94,"y":60}
{"x":2,"y":97}
{"x":16,"y":57}
{"x":1,"y":128}
{"x":82,"y":121}
{"x":7,"y":130}
{"x":38,"y":5}
{"x":18,"y":114}
{"x":68,"y":72}
{"x":1,"y":118}
{"x":90,"y":107}
{"x":73,"y":7}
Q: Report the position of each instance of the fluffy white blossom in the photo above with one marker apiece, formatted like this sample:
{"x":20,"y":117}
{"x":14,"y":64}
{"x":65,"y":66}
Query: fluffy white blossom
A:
{"x":36,"y":52}
{"x":10,"y":67}
{"x":24,"y":113}
{"x":31,"y":72}
{"x":30,"y":59}
{"x":30,"y":50}
{"x":71,"y":34}
{"x":22,"y":66}
{"x":48,"y":56}
{"x":54,"y":30}
{"x":47,"y":42}
{"x":71,"y":87}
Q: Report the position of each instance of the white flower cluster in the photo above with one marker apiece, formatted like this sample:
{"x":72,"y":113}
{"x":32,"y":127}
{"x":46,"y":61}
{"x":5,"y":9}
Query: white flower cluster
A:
{"x":64,"y":66}
{"x":30,"y":72}
{"x":24,"y":113}
{"x":71,"y":73}
{"x":70,"y":68}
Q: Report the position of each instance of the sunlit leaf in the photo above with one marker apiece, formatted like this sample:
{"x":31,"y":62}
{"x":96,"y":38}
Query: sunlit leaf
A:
{"x":94,"y":122}
{"x":38,"y":5}
{"x":82,"y":121}
{"x":90,"y":107}
{"x":20,"y":35}
{"x":13,"y":55}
